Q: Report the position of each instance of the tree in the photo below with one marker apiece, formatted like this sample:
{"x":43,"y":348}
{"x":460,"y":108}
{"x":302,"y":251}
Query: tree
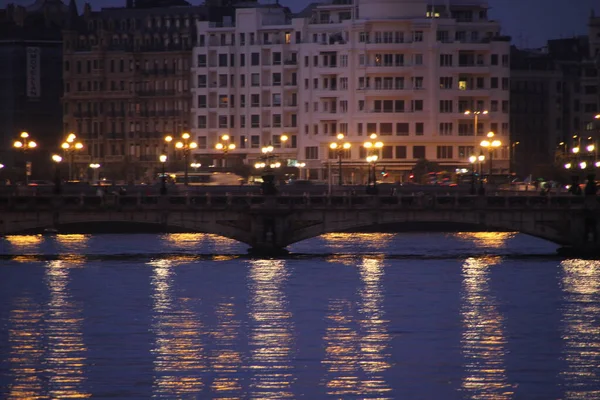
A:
{"x":423,"y":166}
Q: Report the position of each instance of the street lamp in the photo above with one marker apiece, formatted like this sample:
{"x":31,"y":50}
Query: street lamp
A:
{"x":163,"y":177}
{"x":25,"y":144}
{"x":94,"y":167}
{"x":473,"y":160}
{"x":70,"y":146}
{"x":195,"y":165}
{"x":57,"y":159}
{"x":268,"y":163}
{"x":224,"y":145}
{"x":372,"y":147}
{"x":186,"y":145}
{"x":491,"y":145}
{"x":476,"y":115}
{"x":339,"y":147}
{"x":513,"y":152}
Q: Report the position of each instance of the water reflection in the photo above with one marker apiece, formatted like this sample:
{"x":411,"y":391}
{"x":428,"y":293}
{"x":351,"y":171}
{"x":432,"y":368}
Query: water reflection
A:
{"x":341,"y":350}
{"x":491,"y":240}
{"x":194,"y":241}
{"x":26,"y":349}
{"x":179,"y":359}
{"x":375,"y":338}
{"x":338,"y":241}
{"x":581,"y":328}
{"x":356,"y":349}
{"x":22,"y":244}
{"x":271,"y":337}
{"x":66,"y":350}
{"x":483,"y":342}
{"x":225,"y":359}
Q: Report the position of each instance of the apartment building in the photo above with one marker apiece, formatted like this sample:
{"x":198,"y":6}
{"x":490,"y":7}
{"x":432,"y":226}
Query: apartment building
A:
{"x":30,"y":88}
{"x":127,"y":83}
{"x":555,"y":96}
{"x":406,"y":70}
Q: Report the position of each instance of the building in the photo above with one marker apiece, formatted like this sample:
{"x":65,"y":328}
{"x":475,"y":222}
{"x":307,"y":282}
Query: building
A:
{"x":127,"y":82}
{"x":554,"y":103}
{"x":536,"y":113}
{"x":30,"y":83}
{"x":405,"y":70}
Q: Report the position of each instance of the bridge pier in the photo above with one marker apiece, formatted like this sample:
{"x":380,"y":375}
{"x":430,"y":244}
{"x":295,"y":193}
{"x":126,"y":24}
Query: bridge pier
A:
{"x":268,"y":231}
{"x":585,"y":232}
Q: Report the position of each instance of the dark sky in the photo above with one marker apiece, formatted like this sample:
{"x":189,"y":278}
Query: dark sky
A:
{"x":529,"y":22}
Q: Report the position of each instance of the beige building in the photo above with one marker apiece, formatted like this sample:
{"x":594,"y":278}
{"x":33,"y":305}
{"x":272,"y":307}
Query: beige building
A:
{"x":405,"y":70}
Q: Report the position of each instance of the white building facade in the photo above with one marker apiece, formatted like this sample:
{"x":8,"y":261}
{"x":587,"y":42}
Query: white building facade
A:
{"x":403,"y":69}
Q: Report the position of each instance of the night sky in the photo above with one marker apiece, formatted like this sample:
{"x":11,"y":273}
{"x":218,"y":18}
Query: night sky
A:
{"x":529,"y":22}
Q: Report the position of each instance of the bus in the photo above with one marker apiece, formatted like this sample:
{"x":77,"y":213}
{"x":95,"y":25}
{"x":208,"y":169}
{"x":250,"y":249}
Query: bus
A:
{"x":205,"y":178}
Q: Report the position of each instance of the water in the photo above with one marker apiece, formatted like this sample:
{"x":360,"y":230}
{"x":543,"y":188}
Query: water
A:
{"x":347,"y":316}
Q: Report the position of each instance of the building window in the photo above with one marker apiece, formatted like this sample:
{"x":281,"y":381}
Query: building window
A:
{"x":445,"y":106}
{"x":417,"y":105}
{"x":255,"y":59}
{"x":419,"y":128}
{"x":465,"y":152}
{"x":400,"y":152}
{"x":202,"y":121}
{"x":387,"y":152}
{"x":311,"y":153}
{"x":201,"y":101}
{"x":402,"y":129}
{"x":445,"y":129}
{"x":386,"y":129}
{"x":418,"y":152}
{"x":444,"y":152}
{"x":255,"y":121}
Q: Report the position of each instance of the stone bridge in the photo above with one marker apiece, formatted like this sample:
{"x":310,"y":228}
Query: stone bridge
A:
{"x":270,"y":223}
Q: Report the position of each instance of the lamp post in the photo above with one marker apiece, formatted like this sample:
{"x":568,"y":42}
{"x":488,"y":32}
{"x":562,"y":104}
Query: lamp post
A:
{"x":195,"y":165}
{"x":513,"y":159}
{"x":491,"y":145}
{"x":185,"y":144}
{"x":476,"y":115}
{"x":372,"y":146}
{"x":70,"y":146}
{"x":163,"y":177}
{"x":300,"y":167}
{"x":224,"y":145}
{"x":25,"y":144}
{"x":94,"y":167}
{"x":339,"y":147}
{"x":57,"y":187}
{"x":473,"y":160}
{"x":267,"y":164}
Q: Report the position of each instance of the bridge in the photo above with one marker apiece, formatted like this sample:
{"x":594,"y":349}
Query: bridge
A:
{"x":270,"y":223}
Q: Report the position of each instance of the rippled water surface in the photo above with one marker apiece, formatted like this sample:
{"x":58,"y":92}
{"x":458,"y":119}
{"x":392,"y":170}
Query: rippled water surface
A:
{"x":345,"y":316}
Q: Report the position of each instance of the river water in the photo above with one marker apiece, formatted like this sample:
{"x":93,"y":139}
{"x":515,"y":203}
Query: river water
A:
{"x":345,"y":316}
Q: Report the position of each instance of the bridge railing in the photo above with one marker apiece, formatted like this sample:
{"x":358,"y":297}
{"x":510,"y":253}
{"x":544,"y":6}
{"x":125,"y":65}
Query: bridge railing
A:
{"x":249,"y":201}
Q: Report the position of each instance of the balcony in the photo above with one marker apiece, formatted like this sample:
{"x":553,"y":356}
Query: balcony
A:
{"x":155,"y":93}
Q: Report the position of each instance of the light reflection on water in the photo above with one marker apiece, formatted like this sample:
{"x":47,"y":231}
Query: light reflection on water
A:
{"x":179,"y":354}
{"x":252,"y":350}
{"x":581,"y":329}
{"x":483,"y":339}
{"x":26,"y":349}
{"x":270,"y":335}
{"x":65,"y":359}
{"x":356,"y":339}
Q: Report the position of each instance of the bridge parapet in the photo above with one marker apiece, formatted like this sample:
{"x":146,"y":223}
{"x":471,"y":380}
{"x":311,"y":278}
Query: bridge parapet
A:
{"x":251,"y":201}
